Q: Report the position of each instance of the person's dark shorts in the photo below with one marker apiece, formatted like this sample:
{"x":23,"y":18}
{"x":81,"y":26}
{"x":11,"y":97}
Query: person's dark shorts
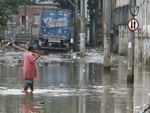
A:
{"x":29,"y":81}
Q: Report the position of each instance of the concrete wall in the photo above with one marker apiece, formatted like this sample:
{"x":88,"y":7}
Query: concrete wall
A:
{"x":123,"y":40}
{"x":120,"y":3}
{"x":142,"y":36}
{"x":120,"y":41}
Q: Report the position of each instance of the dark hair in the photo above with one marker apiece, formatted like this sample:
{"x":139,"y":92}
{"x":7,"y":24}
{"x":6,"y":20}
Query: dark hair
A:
{"x":30,"y":48}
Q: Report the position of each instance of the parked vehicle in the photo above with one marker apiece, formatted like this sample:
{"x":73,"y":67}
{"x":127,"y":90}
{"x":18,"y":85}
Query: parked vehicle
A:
{"x":55,"y":29}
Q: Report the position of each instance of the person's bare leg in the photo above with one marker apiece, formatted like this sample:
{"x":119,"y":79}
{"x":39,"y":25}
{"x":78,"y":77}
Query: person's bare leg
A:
{"x":26,"y":86}
{"x":31,"y":86}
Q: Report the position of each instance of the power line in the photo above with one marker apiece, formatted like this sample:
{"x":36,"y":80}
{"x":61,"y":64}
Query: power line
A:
{"x":71,"y":3}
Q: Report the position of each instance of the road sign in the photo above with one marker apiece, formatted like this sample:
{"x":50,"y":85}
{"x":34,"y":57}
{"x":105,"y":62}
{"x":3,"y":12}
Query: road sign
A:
{"x":133,"y":24}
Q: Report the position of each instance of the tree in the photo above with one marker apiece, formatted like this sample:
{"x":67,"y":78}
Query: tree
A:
{"x":8,"y":8}
{"x":65,"y":4}
{"x":92,"y":5}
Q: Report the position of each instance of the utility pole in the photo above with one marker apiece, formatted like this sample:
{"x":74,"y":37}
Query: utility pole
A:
{"x":25,"y":15}
{"x":75,"y":45}
{"x":82,"y":34}
{"x":106,"y":31}
{"x":130,"y":76}
{"x":99,"y":4}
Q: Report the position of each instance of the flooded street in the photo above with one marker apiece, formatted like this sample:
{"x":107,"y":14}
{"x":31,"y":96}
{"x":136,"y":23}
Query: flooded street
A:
{"x":66,"y":85}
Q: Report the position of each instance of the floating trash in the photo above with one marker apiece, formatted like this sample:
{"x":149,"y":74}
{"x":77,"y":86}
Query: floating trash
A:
{"x":40,"y":111}
{"x":3,"y":88}
{"x":41,"y":64}
{"x":147,"y":109}
{"x":114,"y":69}
{"x":40,"y":103}
{"x":74,"y":57}
{"x":61,"y":85}
{"x":37,"y":107}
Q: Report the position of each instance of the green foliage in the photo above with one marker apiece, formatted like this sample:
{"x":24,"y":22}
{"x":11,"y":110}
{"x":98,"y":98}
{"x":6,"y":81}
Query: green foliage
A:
{"x":72,"y":22}
{"x":65,"y":4}
{"x":9,"y":7}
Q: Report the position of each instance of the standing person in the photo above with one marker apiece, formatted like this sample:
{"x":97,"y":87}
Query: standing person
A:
{"x":29,"y":69}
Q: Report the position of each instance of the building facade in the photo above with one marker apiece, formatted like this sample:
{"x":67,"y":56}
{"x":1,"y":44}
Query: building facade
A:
{"x":27,"y":29}
{"x":119,"y":19}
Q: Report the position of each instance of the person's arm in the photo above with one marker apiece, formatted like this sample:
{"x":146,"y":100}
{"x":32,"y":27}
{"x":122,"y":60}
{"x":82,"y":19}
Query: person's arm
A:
{"x":37,"y":58}
{"x":32,"y":59}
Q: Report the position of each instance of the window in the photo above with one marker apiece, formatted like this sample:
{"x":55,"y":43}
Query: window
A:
{"x":121,"y":15}
{"x":124,"y":15}
{"x":23,"y":20}
{"x":116,"y":17}
{"x":13,"y":20}
{"x":36,"y":19}
{"x":127,"y":15}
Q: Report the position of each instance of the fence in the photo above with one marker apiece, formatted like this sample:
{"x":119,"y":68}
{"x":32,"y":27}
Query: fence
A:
{"x":20,"y":33}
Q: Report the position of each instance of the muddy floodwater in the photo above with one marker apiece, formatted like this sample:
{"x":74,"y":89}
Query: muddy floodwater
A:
{"x":75,"y":86}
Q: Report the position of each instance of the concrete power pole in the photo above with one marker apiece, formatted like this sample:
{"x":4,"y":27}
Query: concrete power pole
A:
{"x":25,"y":15}
{"x":82,"y":34}
{"x":131,"y":48}
{"x":75,"y":45}
{"x":99,"y":4}
{"x":106,"y":35}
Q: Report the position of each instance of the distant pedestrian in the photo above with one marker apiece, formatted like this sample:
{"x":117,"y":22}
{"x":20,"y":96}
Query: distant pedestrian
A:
{"x":29,"y":69}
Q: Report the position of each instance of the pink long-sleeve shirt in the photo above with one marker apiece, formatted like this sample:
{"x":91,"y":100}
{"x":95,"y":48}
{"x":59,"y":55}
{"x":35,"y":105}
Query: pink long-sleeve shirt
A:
{"x":29,"y":67}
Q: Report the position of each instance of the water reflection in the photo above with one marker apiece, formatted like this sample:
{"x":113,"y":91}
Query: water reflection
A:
{"x":28,"y":105}
{"x":85,"y":88}
{"x":53,"y":74}
{"x":141,"y":87}
{"x":82,"y":84}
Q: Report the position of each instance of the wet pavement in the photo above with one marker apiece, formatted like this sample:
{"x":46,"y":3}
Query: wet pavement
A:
{"x":74,"y":85}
